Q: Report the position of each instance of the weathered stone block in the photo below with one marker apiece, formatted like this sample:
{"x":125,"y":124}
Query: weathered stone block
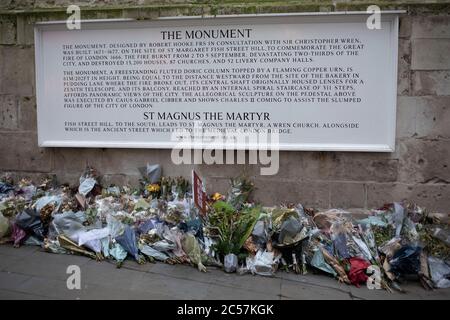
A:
{"x":172,"y":12}
{"x":231,"y":163}
{"x":405,"y":26}
{"x":109,"y":14}
{"x":335,"y":166}
{"x":430,"y":54}
{"x":309,"y":193}
{"x":424,"y":160}
{"x":25,"y":29}
{"x":347,"y":195}
{"x":120,"y":180}
{"x":431,"y":26}
{"x":430,"y":83}
{"x":27,"y":113}
{"x":226,"y":170}
{"x":423,"y":117}
{"x":26,"y":22}
{"x":148,"y":13}
{"x":404,"y":71}
{"x":72,"y":161}
{"x":5,"y":3}
{"x":175,"y":170}
{"x":433,"y":117}
{"x":127,"y":161}
{"x":381,"y":193}
{"x":72,"y":179}
{"x":197,"y":11}
{"x":406,"y":117}
{"x":8,"y":112}
{"x":17,"y":70}
{"x":131,"y":13}
{"x":66,"y":3}
{"x":7,"y":29}
{"x":295,"y":166}
{"x":350,"y":166}
{"x":304,"y":165}
{"x":23,"y":3}
{"x":434,"y":197}
{"x":25,"y":155}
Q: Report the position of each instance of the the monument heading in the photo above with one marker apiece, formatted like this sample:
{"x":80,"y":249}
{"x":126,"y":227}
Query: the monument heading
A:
{"x":206,"y":34}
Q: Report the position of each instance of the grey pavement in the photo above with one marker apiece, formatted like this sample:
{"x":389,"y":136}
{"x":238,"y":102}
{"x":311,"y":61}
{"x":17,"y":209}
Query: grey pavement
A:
{"x":30,"y":273}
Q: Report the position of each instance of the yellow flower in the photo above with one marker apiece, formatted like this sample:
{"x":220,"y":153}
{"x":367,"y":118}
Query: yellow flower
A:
{"x":153,"y":187}
{"x":217,"y":196}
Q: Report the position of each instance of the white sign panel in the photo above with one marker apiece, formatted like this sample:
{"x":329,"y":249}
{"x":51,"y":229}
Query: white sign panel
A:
{"x":324,"y":82}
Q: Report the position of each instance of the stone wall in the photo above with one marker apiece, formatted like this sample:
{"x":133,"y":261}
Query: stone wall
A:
{"x":418,"y":170}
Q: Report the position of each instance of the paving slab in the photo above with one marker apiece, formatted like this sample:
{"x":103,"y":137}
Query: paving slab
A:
{"x":7,"y":260}
{"x":220,"y":292}
{"x":303,"y":291}
{"x":363,"y":293}
{"x":14,"y":295}
{"x":23,"y":251}
{"x":49,"y":288}
{"x":246,"y":282}
{"x":29,"y":273}
{"x":10,"y":280}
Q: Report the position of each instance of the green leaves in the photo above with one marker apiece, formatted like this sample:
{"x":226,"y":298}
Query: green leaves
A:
{"x":231,"y":227}
{"x":239,"y":192}
{"x":247,"y":223}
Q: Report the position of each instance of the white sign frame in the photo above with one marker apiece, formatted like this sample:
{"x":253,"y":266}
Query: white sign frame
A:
{"x":391,"y":17}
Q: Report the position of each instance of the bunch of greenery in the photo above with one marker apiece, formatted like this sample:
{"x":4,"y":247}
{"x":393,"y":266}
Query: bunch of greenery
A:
{"x":231,"y":227}
{"x":239,"y":192}
{"x":170,"y":186}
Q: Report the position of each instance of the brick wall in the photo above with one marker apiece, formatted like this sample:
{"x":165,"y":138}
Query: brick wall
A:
{"x":418,"y":170}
